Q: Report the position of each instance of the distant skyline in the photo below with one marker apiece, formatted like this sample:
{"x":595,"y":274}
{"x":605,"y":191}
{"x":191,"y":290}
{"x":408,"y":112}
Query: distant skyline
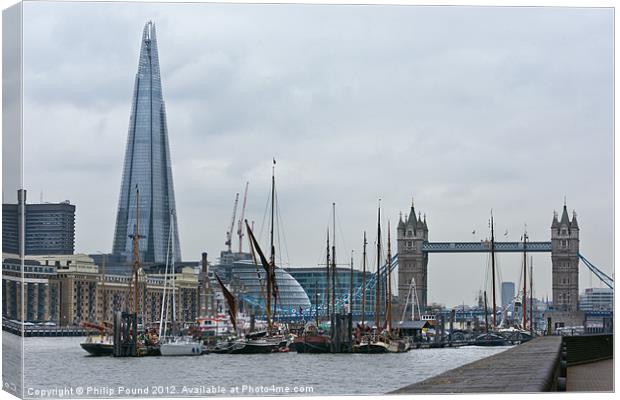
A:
{"x":463,"y":109}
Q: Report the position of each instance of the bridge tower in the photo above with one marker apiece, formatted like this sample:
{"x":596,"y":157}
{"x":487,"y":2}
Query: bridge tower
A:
{"x":565,"y":261}
{"x":412,"y":261}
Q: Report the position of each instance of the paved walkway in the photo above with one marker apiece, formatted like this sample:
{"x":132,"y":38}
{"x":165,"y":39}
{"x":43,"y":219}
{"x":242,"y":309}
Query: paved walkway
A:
{"x":529,"y":367}
{"x":592,"y":377}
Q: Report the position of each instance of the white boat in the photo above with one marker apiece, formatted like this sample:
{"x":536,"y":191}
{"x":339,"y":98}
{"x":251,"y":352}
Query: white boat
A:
{"x":180,"y":346}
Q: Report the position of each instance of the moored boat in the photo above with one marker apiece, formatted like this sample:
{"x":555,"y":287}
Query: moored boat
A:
{"x":491,"y":339}
{"x":311,"y":341}
{"x":245,"y":346}
{"x":181,"y":346}
{"x":100,"y":344}
{"x":382,"y":343}
{"x":102,"y":347}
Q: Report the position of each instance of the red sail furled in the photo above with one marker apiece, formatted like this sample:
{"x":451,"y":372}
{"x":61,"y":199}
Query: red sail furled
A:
{"x":255,"y":245}
{"x":230,"y":299}
{"x":272,"y":286}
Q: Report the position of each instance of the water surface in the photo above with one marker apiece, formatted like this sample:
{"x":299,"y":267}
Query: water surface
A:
{"x":55,"y":367}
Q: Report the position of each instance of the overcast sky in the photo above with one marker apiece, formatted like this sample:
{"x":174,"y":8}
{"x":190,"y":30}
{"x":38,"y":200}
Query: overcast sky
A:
{"x":465,"y":109}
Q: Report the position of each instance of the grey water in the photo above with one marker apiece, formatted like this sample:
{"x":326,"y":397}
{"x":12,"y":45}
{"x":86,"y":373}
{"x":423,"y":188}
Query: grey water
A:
{"x":58,"y":367}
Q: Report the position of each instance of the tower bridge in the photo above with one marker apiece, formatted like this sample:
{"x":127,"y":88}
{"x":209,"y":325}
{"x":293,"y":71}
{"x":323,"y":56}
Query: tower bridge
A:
{"x":414,"y":247}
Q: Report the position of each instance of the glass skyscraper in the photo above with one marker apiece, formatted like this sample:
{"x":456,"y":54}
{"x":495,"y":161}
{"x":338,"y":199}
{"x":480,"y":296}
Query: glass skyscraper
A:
{"x":147,"y":167}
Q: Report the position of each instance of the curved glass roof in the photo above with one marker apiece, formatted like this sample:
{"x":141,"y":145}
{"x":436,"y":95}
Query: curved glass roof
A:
{"x":251,"y":277}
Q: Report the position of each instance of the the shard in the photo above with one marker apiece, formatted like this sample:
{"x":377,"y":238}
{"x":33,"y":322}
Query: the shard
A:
{"x":147,"y":167}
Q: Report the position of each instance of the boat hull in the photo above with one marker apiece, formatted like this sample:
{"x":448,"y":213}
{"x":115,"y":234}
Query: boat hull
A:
{"x":98,"y":349}
{"x":395,"y":346}
{"x":372,"y":348}
{"x":249,"y":347}
{"x":313,"y":344}
{"x":180,"y":349}
{"x":494,"y":342}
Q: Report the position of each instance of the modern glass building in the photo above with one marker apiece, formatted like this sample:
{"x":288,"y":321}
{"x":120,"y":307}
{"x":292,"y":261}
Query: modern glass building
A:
{"x":147,"y":166}
{"x":49,"y":227}
{"x":508,"y":293}
{"x":597,"y":299}
{"x":313,"y":281}
{"x":246,"y":278}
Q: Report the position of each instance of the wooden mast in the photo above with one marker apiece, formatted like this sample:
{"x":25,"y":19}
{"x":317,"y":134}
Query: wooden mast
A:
{"x":524,"y":305}
{"x":351,"y":287}
{"x":493,"y":270}
{"x":486,"y":313}
{"x":164,"y":297}
{"x":327,"y":266}
{"x":316,"y":304}
{"x":378,"y":282}
{"x":334,"y":260}
{"x":267,"y":267}
{"x":531,"y":295}
{"x":364,"y":282}
{"x":133,"y":309}
{"x":173,"y":322}
{"x":388,"y":311}
{"x":272,"y":258}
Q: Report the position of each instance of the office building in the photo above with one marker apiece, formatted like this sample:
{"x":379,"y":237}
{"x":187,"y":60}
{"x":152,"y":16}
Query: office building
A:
{"x":508,"y":293}
{"x":314,"y":282}
{"x":49,"y":227}
{"x":147,"y":170}
{"x":597,"y":299}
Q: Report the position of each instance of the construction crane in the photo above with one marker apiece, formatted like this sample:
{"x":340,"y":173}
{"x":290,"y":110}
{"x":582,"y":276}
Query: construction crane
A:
{"x":232,"y":225}
{"x":239,"y":229}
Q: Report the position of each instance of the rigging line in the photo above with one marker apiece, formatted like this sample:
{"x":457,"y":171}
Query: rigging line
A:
{"x":321,"y":259}
{"x":262,"y":225}
{"x":281,"y":221}
{"x":520,"y":284}
{"x":498,"y":268}
{"x":487,"y":272}
{"x":277,"y":228}
{"x":339,"y":227}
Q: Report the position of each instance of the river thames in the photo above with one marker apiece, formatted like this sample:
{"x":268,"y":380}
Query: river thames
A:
{"x":58,"y":367}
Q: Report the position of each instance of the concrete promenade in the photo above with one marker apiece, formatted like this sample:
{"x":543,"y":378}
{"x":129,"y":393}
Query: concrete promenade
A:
{"x":530,"y":367}
{"x":592,"y":377}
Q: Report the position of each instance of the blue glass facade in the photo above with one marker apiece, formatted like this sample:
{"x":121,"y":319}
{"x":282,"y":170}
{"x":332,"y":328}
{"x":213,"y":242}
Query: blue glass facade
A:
{"x":314,"y":279}
{"x":147,"y":165}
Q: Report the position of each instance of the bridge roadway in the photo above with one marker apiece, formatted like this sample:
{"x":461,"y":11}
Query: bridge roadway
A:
{"x":485,"y":247}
